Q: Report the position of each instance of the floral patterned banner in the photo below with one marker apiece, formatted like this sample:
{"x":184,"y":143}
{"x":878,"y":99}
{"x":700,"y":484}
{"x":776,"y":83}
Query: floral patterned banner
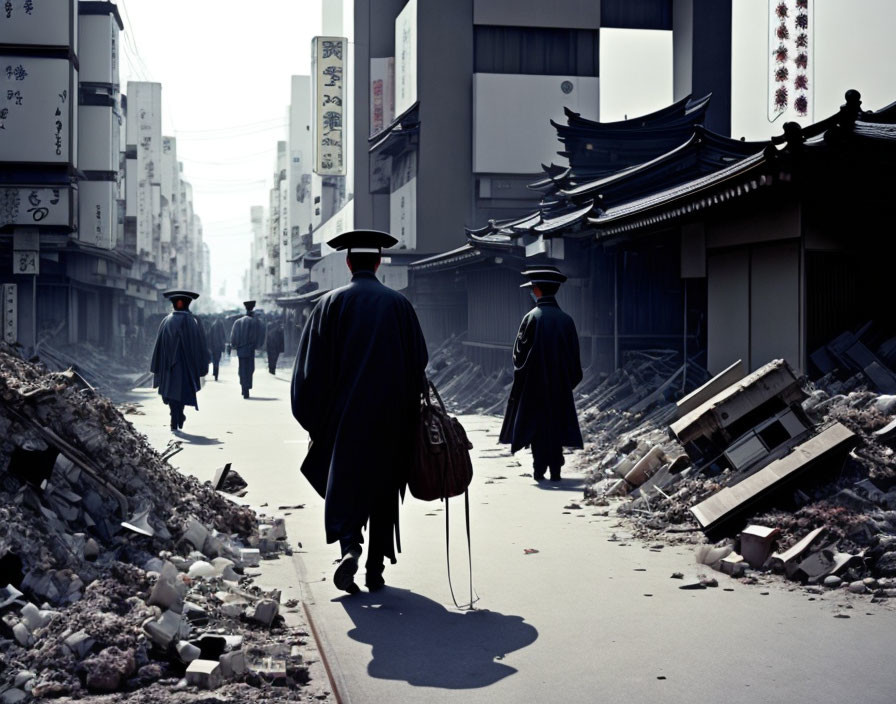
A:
{"x":791,"y":63}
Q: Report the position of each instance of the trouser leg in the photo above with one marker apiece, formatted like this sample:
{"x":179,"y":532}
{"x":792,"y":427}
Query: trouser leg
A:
{"x":177,"y":411}
{"x":547,"y":454}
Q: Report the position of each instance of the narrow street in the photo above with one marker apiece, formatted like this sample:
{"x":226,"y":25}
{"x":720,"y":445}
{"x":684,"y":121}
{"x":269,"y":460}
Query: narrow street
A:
{"x":570,"y":607}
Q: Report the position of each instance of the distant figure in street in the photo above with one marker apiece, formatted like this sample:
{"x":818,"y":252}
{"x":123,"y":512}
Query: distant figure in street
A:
{"x":273,"y":343}
{"x":180,"y":357}
{"x":356,"y":389}
{"x":247,"y":336}
{"x":217,"y":341}
{"x":541,"y":411}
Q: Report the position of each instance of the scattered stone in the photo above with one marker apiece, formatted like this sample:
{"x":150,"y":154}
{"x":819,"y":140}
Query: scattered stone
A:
{"x":205,"y":674}
{"x":832,"y":582}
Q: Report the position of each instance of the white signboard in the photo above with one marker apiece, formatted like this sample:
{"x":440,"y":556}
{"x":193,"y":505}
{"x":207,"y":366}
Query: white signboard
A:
{"x":328,"y":99}
{"x":10,"y":313}
{"x":406,"y":57}
{"x":37,"y":22}
{"x":35,"y":206}
{"x":403,"y":201}
{"x":98,"y":209}
{"x":26,"y":251}
{"x":36,"y":98}
{"x":382,"y":94}
{"x":343,"y":221}
{"x":791,"y":62}
{"x":98,"y":58}
{"x":98,"y":134}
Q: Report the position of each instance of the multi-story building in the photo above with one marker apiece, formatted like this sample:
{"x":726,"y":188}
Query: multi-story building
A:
{"x":95,"y":218}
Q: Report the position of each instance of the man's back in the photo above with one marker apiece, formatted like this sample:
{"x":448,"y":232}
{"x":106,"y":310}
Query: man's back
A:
{"x":244,"y":336}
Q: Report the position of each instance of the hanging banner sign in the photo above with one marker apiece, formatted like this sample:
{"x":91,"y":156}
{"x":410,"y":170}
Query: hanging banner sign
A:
{"x":10,"y":313}
{"x":35,"y":206}
{"x":791,"y":63}
{"x":328,"y":98}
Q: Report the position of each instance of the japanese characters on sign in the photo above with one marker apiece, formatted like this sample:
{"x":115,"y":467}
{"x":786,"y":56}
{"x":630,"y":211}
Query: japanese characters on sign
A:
{"x":34,"y":206}
{"x":382,"y":94}
{"x":26,"y":251}
{"x":791,"y":63}
{"x":35,"y":109}
{"x":37,"y":22}
{"x":10,"y":313}
{"x":328,"y":98}
{"x":406,"y":58}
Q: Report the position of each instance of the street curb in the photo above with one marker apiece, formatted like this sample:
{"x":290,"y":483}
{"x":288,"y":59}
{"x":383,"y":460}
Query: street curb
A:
{"x":337,"y":683}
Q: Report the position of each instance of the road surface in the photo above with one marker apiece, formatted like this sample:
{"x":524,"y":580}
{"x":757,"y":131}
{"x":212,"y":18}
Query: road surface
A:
{"x":566,"y":613}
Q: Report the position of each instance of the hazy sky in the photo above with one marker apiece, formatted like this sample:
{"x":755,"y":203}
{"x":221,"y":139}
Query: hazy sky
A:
{"x":225,"y":70}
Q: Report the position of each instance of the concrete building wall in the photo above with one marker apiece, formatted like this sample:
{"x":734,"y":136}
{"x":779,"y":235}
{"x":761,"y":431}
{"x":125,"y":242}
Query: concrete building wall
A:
{"x":445,"y":158}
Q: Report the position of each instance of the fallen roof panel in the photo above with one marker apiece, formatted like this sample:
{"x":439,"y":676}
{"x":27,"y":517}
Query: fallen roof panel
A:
{"x":734,"y":500}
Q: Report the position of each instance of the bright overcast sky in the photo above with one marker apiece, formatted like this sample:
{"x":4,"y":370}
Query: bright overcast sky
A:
{"x":225,"y":70}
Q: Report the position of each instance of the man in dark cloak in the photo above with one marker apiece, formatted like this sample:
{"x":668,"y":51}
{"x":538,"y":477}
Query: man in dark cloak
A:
{"x":541,"y":412}
{"x":274,"y":344}
{"x":356,"y":389}
{"x":180,"y":357}
{"x":247,"y":336}
{"x":217,"y":341}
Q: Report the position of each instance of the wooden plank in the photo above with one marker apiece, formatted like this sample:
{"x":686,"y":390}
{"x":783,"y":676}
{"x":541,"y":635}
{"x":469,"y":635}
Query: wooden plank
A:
{"x":714,"y":386}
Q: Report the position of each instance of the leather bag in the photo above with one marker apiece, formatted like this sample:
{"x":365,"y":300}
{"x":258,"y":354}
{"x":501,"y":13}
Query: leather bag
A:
{"x":442,"y":467}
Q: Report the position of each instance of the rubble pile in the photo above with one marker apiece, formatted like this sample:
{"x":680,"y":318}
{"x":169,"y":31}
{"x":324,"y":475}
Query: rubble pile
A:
{"x":806,"y":471}
{"x":117,"y":573}
{"x":95,"y":367}
{"x":462,"y":385}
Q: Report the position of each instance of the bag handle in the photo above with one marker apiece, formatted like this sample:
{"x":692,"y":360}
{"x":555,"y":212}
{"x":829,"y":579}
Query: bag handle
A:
{"x":436,"y":394}
{"x":468,"y":606}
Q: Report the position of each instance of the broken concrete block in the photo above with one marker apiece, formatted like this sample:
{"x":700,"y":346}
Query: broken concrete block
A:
{"x":733,"y":565}
{"x":823,"y":563}
{"x":195,"y":614}
{"x":756,"y":544}
{"x":32,"y":618}
{"x":224,"y":568}
{"x":91,"y":550}
{"x":22,"y":635}
{"x":221,"y":475}
{"x":714,"y":386}
{"x":250,"y":557}
{"x":205,"y":674}
{"x":188,"y":652}
{"x":195,"y":534}
{"x":233,"y":664}
{"x":790,"y":558}
{"x":165,"y":629}
{"x":169,"y":590}
{"x":201,"y":568}
{"x":646,"y":466}
{"x":80,"y":643}
{"x":13,"y":696}
{"x":264,"y":612}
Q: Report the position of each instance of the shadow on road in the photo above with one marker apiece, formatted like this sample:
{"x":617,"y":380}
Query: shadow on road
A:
{"x":262,"y":398}
{"x":419,"y":641}
{"x":196,"y":439}
{"x":565,"y":485}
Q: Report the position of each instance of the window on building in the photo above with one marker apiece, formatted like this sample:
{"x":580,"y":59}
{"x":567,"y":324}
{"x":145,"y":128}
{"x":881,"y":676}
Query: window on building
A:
{"x":536,"y":51}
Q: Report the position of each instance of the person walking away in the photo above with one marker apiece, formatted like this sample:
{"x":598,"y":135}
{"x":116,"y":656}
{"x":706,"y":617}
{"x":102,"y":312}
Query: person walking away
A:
{"x":541,"y":412}
{"x":217,"y":341}
{"x":246,"y":337}
{"x":356,"y":388}
{"x":274,"y":344}
{"x":180,"y":357}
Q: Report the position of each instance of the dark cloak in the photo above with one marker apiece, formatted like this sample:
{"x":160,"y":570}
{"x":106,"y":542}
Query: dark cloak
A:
{"x":274,"y":340}
{"x":546,"y":370}
{"x":356,"y":388}
{"x":180,"y":358}
{"x":247,"y":335}
{"x":216,"y":338}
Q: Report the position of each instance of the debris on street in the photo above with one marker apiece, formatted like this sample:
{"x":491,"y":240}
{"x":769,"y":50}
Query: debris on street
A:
{"x":781,"y":474}
{"x":118,"y":574}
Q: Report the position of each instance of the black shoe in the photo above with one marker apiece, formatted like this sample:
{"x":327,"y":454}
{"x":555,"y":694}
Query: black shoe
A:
{"x":555,"y":476}
{"x":538,"y":475}
{"x":344,"y":578}
{"x":374,"y":581}
{"x":183,"y":419}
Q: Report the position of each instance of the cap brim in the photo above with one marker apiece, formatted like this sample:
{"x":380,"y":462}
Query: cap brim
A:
{"x":362,"y":239}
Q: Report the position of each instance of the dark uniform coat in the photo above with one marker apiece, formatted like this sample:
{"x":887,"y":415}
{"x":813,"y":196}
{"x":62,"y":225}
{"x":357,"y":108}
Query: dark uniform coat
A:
{"x":546,"y":370}
{"x":180,"y":358}
{"x":356,"y":387}
{"x":247,"y":335}
{"x":274,"y":340}
{"x":217,"y":340}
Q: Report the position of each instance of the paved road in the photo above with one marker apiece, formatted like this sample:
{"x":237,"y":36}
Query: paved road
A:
{"x":584,"y":619}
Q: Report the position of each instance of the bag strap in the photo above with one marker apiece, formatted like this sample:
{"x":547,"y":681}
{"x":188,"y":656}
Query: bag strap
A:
{"x":468,"y":606}
{"x":436,"y":394}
